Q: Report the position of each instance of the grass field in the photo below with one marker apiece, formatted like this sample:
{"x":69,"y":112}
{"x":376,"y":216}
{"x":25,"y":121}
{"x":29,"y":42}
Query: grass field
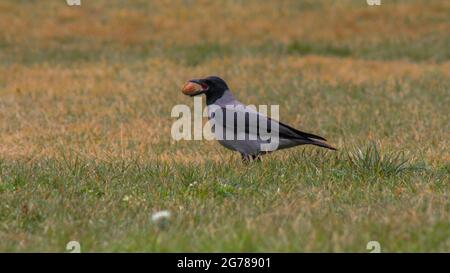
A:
{"x":86,"y":152}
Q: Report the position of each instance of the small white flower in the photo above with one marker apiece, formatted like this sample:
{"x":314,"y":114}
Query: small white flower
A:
{"x":159,"y":216}
{"x":126,"y":198}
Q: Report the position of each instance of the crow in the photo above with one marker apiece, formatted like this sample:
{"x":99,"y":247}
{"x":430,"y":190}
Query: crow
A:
{"x":241,"y":128}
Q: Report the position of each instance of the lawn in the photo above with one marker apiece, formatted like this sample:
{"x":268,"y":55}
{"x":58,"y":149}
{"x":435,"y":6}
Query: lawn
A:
{"x":86,"y":152}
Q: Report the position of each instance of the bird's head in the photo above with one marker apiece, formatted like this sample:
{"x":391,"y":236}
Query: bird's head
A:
{"x":211,"y":86}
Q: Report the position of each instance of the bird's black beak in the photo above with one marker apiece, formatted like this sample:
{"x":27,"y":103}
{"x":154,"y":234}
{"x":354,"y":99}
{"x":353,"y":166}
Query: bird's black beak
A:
{"x":194,"y":87}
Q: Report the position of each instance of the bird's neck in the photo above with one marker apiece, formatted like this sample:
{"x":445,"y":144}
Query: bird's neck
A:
{"x":219,"y":97}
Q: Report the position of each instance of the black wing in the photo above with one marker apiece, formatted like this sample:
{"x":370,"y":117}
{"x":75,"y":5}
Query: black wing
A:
{"x":252,"y":121}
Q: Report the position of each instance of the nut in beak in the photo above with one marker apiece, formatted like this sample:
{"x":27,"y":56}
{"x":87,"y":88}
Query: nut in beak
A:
{"x":191,"y":88}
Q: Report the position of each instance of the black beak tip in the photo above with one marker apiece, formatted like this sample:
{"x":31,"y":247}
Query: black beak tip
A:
{"x":197,"y":81}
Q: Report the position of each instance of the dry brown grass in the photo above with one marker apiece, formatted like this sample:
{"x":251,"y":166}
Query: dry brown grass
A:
{"x":37,"y":100}
{"x":188,"y":22}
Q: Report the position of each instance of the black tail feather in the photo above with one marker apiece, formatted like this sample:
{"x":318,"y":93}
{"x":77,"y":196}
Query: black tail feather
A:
{"x":303,"y":134}
{"x":322,"y":144}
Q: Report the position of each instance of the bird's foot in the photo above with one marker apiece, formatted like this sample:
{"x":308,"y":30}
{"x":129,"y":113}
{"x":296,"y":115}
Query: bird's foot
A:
{"x":246,"y":158}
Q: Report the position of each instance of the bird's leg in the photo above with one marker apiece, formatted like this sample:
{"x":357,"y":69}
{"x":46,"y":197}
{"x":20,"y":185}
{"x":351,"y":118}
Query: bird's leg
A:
{"x":246,"y":158}
{"x":250,"y":158}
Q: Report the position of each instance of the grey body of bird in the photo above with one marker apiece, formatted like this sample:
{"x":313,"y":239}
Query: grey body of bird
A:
{"x":241,"y":128}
